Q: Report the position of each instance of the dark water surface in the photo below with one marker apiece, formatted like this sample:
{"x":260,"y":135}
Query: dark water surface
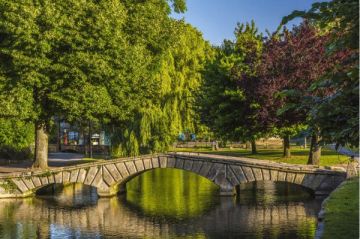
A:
{"x":163,"y":203}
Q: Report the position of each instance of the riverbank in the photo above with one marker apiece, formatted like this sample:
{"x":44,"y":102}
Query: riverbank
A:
{"x":342,"y":212}
{"x":299,"y":155}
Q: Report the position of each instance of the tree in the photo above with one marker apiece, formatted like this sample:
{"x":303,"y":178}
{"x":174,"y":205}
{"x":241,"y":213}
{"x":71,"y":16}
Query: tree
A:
{"x":337,"y":114}
{"x":292,"y":62}
{"x":161,"y":80}
{"x":126,"y":64}
{"x":228,"y":103}
{"x":175,"y":76}
{"x":58,"y":58}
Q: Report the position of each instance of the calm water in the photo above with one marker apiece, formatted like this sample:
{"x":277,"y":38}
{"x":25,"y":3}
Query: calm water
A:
{"x":164,"y":203}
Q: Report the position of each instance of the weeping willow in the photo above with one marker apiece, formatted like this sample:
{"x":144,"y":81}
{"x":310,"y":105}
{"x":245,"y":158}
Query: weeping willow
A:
{"x":158,"y":121}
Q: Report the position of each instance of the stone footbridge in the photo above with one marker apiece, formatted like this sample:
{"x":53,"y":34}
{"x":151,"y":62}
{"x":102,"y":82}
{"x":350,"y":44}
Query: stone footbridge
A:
{"x":111,"y":176}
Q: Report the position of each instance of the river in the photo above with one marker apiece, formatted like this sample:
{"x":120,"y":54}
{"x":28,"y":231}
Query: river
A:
{"x":163,"y":203}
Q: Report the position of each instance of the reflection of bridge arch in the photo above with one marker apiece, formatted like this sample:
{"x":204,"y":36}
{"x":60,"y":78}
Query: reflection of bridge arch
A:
{"x":226,"y":172}
{"x":110,"y":216}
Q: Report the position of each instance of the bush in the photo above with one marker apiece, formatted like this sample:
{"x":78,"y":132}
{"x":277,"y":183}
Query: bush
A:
{"x":12,"y":153}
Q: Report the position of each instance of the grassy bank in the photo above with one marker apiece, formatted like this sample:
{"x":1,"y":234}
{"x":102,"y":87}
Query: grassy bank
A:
{"x":342,"y":212}
{"x":299,"y":155}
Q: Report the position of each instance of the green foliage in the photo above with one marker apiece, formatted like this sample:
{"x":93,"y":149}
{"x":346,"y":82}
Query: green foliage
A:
{"x":124,"y":64}
{"x":16,"y":137}
{"x":8,"y":185}
{"x":17,"y":134}
{"x":173,"y":81}
{"x":337,"y":114}
{"x":228,"y":105}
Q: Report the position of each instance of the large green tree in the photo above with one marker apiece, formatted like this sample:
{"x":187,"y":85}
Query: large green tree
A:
{"x":60,"y":58}
{"x":228,"y":104}
{"x":90,"y":61}
{"x":172,"y":78}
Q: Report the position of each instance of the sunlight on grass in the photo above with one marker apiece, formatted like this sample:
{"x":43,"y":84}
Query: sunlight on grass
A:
{"x":342,"y":212}
{"x":298,"y":155}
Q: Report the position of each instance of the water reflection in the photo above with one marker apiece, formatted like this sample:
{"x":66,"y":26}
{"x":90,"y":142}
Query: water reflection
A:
{"x":163,"y":204}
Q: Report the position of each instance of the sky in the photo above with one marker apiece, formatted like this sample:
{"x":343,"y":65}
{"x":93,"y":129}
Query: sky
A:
{"x":217,"y":19}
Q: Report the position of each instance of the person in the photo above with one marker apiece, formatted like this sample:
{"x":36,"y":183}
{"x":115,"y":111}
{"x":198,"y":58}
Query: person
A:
{"x":215,"y":145}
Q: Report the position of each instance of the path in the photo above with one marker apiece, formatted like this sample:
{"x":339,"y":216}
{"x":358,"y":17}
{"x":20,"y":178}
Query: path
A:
{"x":55,"y":160}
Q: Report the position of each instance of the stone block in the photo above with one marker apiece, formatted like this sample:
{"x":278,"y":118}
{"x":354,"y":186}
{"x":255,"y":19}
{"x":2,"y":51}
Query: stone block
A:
{"x":258,"y":174}
{"x":352,"y":169}
{"x":266,"y":174}
{"x":51,"y":178}
{"x":147,"y":163}
{"x":290,"y":177}
{"x":82,"y":175}
{"x":74,"y":175}
{"x":188,"y":164}
{"x":163,"y":161}
{"x":139,"y":165}
{"x":28,"y":182}
{"x":216,"y":170}
{"x":36,"y":181}
{"x":239,"y":173}
{"x":196,"y":166}
{"x":108,"y":179}
{"x":44,"y":180}
{"x":98,"y":179}
{"x":91,"y":175}
{"x":327,"y":184}
{"x":58,"y":177}
{"x":221,"y":176}
{"x":114,"y":172}
{"x":171,"y":162}
{"x":274,"y":175}
{"x":308,"y":178}
{"x":231,"y":176}
{"x":20,"y":184}
{"x":179,"y":163}
{"x":317,"y":181}
{"x":155,"y":162}
{"x":282,"y":176}
{"x":122,"y":169}
{"x":130,"y":165}
{"x":204,"y":171}
{"x":66,"y":176}
{"x":299,"y":178}
{"x":248,"y":173}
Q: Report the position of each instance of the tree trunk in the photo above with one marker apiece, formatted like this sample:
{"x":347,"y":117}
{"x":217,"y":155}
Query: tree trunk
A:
{"x":315,"y":150}
{"x":253,"y":147}
{"x":59,"y":135}
{"x":41,"y":146}
{"x":287,"y":152}
{"x":90,"y":143}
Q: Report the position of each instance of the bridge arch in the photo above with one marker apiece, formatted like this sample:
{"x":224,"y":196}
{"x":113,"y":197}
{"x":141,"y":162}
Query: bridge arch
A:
{"x":225,"y":172}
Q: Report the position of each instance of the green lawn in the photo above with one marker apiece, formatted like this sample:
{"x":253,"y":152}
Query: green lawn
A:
{"x":299,"y":156}
{"x":342,"y":212}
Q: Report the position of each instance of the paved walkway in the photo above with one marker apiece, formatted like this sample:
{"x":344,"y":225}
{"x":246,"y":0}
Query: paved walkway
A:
{"x":55,"y":160}
{"x":344,"y":151}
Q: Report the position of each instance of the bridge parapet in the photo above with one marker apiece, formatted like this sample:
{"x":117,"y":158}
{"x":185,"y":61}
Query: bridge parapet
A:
{"x":227,"y":172}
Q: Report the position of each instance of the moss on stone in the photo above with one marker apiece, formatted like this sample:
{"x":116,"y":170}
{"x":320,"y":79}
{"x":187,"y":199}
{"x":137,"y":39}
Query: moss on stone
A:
{"x":8,"y":185}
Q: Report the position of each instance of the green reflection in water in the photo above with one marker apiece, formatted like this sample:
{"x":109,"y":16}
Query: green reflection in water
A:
{"x":171,"y":193}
